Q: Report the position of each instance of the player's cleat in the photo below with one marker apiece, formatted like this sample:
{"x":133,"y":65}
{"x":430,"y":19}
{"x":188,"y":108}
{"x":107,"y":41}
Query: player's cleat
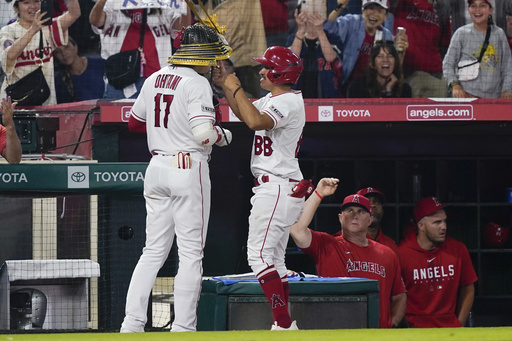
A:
{"x":292,"y":326}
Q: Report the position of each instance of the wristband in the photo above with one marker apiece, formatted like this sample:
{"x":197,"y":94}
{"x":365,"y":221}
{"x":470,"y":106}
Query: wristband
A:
{"x":452,"y":84}
{"x":297,"y":37}
{"x":339,"y":7}
{"x":318,"y":194}
{"x":237,"y":89}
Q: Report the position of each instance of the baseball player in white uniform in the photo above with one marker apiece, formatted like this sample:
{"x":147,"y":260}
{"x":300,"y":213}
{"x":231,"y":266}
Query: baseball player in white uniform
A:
{"x":278,"y":120}
{"x":175,"y":107}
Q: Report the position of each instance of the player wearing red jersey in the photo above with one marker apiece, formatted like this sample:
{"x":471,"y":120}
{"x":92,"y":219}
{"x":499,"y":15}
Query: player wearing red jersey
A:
{"x":377,"y":198}
{"x":352,"y":254}
{"x":437,"y":271}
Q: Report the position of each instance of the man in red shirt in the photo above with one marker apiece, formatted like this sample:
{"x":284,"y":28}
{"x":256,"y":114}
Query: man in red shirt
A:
{"x":437,"y":271}
{"x":427,"y":23}
{"x":10,"y":146}
{"x":352,"y":254}
{"x":377,"y":198}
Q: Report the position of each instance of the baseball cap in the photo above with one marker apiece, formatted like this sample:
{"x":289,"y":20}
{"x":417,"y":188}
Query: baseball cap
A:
{"x":427,"y":206}
{"x":370,"y":191}
{"x":383,"y":3}
{"x":356,"y":200}
{"x":490,"y":2}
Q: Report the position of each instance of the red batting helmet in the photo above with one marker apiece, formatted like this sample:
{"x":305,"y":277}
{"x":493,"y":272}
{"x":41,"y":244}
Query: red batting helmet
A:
{"x":495,"y":235}
{"x":285,"y":65}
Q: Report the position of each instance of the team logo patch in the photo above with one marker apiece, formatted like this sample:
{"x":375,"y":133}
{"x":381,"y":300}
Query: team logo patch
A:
{"x":7,"y":43}
{"x":275,"y":111}
{"x":207,"y":109}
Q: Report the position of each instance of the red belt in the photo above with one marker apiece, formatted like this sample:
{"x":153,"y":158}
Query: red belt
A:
{"x":265,"y":178}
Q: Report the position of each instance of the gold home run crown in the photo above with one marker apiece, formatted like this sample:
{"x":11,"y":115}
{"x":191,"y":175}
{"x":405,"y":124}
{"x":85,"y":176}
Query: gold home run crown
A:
{"x":200,"y":45}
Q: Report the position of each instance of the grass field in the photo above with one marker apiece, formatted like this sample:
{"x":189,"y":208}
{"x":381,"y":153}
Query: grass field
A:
{"x":445,"y":334}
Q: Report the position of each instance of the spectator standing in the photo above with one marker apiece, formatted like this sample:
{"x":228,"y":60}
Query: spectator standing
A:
{"x":275,"y":20}
{"x":437,"y":271}
{"x":427,"y":25}
{"x":10,"y":146}
{"x":246,"y":35}
{"x":383,"y":77}
{"x":357,"y":34}
{"x":120,"y":30}
{"x":322,"y":63}
{"x":343,"y":255}
{"x":459,"y":13}
{"x":20,"y":42}
{"x":278,"y":120}
{"x":494,"y":78}
{"x":77,"y":77}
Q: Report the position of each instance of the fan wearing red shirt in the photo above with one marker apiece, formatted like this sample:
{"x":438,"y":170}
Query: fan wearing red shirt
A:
{"x":352,"y":254}
{"x":437,"y":271}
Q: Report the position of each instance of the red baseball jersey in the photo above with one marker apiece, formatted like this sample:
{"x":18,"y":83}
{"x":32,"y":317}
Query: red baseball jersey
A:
{"x":337,"y":257}
{"x":385,"y":240}
{"x":432,"y":279}
{"x":3,"y":139}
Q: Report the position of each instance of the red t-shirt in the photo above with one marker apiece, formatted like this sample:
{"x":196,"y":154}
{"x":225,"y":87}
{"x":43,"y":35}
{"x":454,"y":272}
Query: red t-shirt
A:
{"x":385,"y":240}
{"x":275,"y":15}
{"x":363,"y":59}
{"x":425,"y":34}
{"x":152,"y":64}
{"x":432,"y":279}
{"x":337,"y":257}
{"x":3,"y":139}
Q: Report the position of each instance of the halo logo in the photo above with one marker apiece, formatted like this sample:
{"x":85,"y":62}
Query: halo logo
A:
{"x":78,"y":177}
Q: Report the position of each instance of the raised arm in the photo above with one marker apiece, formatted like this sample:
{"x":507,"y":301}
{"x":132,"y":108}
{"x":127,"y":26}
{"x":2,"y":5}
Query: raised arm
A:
{"x":12,"y":151}
{"x":16,"y":49}
{"x":300,"y":19}
{"x":68,"y":18}
{"x":238,"y":101}
{"x":325,"y":45}
{"x":299,"y":231}
{"x":97,"y":17}
{"x":341,"y":4}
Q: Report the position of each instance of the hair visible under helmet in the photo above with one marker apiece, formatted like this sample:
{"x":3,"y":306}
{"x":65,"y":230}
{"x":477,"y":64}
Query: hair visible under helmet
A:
{"x":284,"y":64}
{"x":200,"y":45}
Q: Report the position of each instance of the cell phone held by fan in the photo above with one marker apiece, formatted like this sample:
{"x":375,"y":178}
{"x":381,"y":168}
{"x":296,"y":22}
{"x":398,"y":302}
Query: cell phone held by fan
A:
{"x":47,"y":6}
{"x":315,"y":6}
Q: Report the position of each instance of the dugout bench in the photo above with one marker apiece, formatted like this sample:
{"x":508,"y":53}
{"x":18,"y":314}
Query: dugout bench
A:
{"x":341,"y":303}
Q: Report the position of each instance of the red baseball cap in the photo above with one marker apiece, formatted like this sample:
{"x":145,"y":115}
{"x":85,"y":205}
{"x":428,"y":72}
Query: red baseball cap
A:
{"x":370,"y":191}
{"x":427,"y":206}
{"x":356,"y":200}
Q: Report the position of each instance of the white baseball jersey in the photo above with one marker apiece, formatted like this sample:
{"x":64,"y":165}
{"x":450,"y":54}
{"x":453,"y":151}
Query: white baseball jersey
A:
{"x":177,"y":194}
{"x":120,"y":33}
{"x":182,"y":96}
{"x":28,"y":61}
{"x":275,"y":150}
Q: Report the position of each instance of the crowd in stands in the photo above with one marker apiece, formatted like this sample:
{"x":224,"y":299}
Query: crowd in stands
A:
{"x":354,"y":49}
